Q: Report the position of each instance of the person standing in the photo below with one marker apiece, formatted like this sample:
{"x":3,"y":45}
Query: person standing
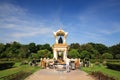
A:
{"x":54,"y":63}
{"x":68,"y":65}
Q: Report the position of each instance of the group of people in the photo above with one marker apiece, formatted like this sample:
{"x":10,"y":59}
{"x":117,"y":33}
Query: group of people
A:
{"x":68,"y":62}
{"x":46,"y":63}
{"x":72,"y":64}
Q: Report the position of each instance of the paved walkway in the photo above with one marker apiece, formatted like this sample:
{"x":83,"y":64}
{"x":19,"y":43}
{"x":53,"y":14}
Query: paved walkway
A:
{"x":50,"y":74}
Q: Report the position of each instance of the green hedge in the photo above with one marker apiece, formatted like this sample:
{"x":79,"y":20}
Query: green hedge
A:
{"x":17,"y":76}
{"x":6,"y":65}
{"x":114,"y":66}
{"x":12,"y":59}
{"x":100,"y":76}
{"x":113,"y":60}
{"x":94,"y":60}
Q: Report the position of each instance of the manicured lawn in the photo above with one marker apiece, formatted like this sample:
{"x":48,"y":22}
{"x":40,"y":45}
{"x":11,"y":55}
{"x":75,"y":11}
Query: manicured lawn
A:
{"x":102,"y":69}
{"x":17,"y":67}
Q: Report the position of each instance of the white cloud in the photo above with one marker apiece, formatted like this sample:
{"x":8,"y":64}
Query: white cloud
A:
{"x":93,"y":36}
{"x":96,"y":18}
{"x":8,"y":9}
{"x":15,"y":24}
{"x":29,"y":32}
{"x":113,"y":28}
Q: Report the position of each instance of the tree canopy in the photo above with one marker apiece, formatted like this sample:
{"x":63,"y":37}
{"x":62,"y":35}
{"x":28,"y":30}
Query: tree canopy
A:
{"x":107,"y":56}
{"x":76,"y":50}
{"x":73,"y":53}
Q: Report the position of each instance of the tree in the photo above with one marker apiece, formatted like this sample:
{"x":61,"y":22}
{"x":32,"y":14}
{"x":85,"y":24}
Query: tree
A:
{"x":87,"y":47}
{"x":2,"y":48}
{"x":84,"y":54}
{"x":95,"y":54}
{"x":74,"y":46}
{"x":34,"y":56}
{"x":107,"y":56}
{"x":115,"y":49}
{"x":12,"y":49}
{"x":73,"y":53}
{"x":46,"y":46}
{"x":15,"y":49}
{"x":43,"y":53}
{"x":39,"y":47}
{"x":101,"y":48}
{"x":50,"y":55}
{"x":32,"y":48}
{"x":23,"y":52}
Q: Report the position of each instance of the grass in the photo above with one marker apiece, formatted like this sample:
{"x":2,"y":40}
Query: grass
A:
{"x":104,"y":70}
{"x":17,"y":67}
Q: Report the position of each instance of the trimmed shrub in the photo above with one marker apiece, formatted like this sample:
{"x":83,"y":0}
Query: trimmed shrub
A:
{"x":113,"y":60}
{"x":6,"y":65}
{"x":16,"y":76}
{"x":92,"y":60}
{"x":96,"y":60}
{"x":114,"y":66}
{"x":101,"y":76}
{"x":97,"y":63}
{"x":104,"y":62}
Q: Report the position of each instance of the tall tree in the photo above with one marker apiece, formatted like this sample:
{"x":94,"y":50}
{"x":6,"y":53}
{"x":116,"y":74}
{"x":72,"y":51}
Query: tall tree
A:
{"x":43,"y":53}
{"x":115,"y":49}
{"x":101,"y":48}
{"x":32,"y":48}
{"x":95,"y":54}
{"x":24,"y":52}
{"x":84,"y":54}
{"x":2,"y":48}
{"x":73,"y":53}
{"x":47,"y":46}
{"x":39,"y":47}
{"x":87,"y":47}
{"x":12,"y":49}
{"x":74,"y":46}
{"x":107,"y":56}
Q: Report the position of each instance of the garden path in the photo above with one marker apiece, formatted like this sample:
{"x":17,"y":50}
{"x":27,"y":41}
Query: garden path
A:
{"x":51,"y":74}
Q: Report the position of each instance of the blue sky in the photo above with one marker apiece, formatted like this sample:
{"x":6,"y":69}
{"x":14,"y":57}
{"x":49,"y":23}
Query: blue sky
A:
{"x":85,"y":21}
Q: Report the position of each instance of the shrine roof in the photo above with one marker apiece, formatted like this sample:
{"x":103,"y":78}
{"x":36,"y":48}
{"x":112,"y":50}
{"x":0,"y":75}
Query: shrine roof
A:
{"x":60,"y":32}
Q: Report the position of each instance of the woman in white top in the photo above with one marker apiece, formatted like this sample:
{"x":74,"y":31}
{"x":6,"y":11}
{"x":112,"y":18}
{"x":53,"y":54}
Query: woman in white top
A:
{"x":68,"y":65}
